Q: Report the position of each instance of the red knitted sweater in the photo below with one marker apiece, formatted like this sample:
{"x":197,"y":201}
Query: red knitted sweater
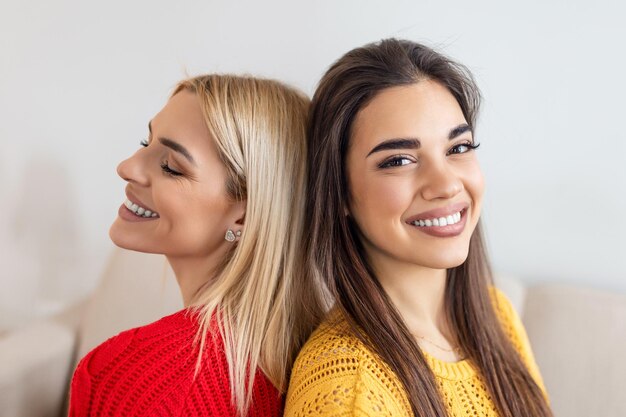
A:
{"x":148,"y":371}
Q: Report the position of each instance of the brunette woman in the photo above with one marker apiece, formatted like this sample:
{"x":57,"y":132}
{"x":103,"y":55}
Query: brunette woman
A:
{"x":395,"y":195}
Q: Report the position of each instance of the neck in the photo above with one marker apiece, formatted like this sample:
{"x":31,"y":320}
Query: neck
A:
{"x":416,"y":291}
{"x":193,"y":273}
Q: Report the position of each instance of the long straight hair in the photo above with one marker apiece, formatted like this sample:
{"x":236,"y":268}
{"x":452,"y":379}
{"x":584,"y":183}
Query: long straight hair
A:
{"x":259,"y":127}
{"x":336,"y":252}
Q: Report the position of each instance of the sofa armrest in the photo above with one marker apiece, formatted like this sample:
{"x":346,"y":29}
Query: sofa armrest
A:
{"x":35,"y":369}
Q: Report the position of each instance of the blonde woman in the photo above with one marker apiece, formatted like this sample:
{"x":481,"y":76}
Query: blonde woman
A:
{"x":218,"y":189}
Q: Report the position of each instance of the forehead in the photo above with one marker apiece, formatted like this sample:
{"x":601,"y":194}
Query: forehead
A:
{"x":182,"y":112}
{"x":183,"y":121}
{"x":422,"y":110}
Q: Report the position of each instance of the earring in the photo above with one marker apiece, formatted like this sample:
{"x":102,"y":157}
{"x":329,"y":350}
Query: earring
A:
{"x":231,"y":236}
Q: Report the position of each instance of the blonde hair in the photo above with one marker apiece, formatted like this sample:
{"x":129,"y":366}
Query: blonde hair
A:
{"x":259,"y":127}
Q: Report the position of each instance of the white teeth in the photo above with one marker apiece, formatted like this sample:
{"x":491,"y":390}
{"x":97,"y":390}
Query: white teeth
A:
{"x":440,"y":221}
{"x":139,"y":211}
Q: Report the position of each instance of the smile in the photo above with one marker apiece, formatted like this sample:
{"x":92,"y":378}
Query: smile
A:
{"x":445,"y":222}
{"x":138,"y":210}
{"x":439,"y":221}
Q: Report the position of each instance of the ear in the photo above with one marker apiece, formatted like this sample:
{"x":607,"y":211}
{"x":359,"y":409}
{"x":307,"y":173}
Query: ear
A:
{"x":239,"y":212}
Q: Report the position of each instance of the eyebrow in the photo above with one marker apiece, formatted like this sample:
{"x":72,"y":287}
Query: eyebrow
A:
{"x":398,"y":143}
{"x":414,"y":143}
{"x":175,"y":146}
{"x":459,"y":130}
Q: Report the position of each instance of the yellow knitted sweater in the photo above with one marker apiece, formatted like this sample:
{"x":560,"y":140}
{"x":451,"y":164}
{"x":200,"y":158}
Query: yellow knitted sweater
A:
{"x":336,"y":375}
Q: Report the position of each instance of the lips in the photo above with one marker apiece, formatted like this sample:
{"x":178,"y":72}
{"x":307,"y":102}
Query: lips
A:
{"x":136,"y":207}
{"x":438,"y":212}
{"x":435,"y":222}
{"x":135,"y":200}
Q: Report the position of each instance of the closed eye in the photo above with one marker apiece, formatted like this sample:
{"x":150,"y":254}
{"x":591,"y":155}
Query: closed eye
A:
{"x":169,"y":171}
{"x":396,"y":161}
{"x":144,"y":143}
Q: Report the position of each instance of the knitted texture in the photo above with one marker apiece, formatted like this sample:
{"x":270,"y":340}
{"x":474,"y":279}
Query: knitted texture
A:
{"x":149,"y":371}
{"x":336,"y":375}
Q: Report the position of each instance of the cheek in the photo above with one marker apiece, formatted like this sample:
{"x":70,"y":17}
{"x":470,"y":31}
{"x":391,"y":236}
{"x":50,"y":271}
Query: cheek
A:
{"x":378,"y":204}
{"x":194,"y":213}
{"x":475,"y":183}
{"x":382,"y":196}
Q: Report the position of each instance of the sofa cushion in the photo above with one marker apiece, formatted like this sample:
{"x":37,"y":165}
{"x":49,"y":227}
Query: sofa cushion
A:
{"x":579,"y":339}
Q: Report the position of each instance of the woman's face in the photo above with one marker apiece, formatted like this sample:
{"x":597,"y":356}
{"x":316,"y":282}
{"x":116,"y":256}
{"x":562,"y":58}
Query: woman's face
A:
{"x":179,"y":176}
{"x":409,"y":161}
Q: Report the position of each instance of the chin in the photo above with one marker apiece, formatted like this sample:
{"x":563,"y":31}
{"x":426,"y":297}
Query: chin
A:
{"x":119,"y":239}
{"x":124,"y":241}
{"x":447,"y":260}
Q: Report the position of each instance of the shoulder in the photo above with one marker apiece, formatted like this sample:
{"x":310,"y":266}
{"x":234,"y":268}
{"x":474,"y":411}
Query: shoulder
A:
{"x":178,"y":328}
{"x":508,"y":317}
{"x":335,"y":373}
{"x":516,"y":333}
{"x":106,"y":379}
{"x":331,"y":352}
{"x":501,"y":303}
{"x":510,"y":320}
{"x":154,"y":369}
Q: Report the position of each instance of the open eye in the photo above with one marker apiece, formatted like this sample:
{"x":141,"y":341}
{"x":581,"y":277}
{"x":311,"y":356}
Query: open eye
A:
{"x":396,"y":161}
{"x":463,"y":148}
{"x":144,"y":143}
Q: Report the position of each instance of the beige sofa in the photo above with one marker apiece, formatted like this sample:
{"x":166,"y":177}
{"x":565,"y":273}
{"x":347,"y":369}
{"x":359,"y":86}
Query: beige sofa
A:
{"x":578,"y":336}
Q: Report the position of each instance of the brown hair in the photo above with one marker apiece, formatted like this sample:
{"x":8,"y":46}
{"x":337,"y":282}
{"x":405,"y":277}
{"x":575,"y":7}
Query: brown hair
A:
{"x":336,"y":253}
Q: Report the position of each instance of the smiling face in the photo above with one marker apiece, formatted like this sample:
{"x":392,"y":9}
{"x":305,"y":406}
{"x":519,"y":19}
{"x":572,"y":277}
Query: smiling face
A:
{"x":179,"y":178}
{"x":410,"y":169}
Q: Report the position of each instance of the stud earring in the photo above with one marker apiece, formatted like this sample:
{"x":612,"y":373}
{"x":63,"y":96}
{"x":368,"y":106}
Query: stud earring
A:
{"x":231,"y":236}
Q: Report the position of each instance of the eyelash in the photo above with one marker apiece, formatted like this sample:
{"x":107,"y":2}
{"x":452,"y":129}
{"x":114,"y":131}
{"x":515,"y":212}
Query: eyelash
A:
{"x":169,"y":171}
{"x":469,"y":145}
{"x":164,"y":165}
{"x":393,"y":161}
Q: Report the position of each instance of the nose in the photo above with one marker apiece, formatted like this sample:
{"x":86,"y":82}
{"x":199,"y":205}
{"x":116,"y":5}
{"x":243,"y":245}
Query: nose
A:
{"x":440,"y":182}
{"x":133,"y":170}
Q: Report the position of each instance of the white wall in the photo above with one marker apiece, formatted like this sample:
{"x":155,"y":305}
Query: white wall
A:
{"x":80,"y":80}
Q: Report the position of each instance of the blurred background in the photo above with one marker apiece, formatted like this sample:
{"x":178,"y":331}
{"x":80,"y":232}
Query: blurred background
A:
{"x":79,"y":82}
